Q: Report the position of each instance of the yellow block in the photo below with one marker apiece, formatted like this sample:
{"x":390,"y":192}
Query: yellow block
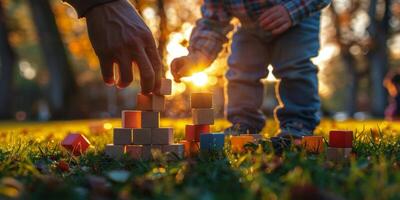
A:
{"x":313,"y":144}
{"x":238,"y":142}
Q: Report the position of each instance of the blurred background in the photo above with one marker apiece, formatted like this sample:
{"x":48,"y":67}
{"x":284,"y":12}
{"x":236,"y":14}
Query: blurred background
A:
{"x":48,"y":69}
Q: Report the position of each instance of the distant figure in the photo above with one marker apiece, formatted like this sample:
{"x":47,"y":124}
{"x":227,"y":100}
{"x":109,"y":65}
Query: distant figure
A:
{"x":392,"y":84}
{"x":283,"y":33}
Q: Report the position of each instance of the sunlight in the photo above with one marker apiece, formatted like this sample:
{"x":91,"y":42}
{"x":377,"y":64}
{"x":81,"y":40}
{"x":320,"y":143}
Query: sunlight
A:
{"x":199,"y":79}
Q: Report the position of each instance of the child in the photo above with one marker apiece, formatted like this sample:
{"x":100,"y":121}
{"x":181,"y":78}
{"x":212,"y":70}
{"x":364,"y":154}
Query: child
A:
{"x":283,"y":33}
{"x":392,"y":84}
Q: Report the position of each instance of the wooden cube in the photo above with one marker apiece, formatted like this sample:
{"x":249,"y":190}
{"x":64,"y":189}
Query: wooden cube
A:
{"x":238,"y":142}
{"x":150,"y":119}
{"x":162,"y":136}
{"x":139,"y":152}
{"x":122,"y":136}
{"x":174,"y":150}
{"x":201,"y":100}
{"x":114,"y":151}
{"x":313,"y":144}
{"x":131,"y":119}
{"x":212,"y":142}
{"x":75,"y":143}
{"x":203,"y":116}
{"x":141,"y":136}
{"x":338,"y":154}
{"x":150,"y":102}
{"x":191,"y":148}
{"x":341,"y":139}
{"x":192,"y":132}
{"x":165,"y":87}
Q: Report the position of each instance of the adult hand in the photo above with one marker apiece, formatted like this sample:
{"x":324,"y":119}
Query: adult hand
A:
{"x":275,"y":19}
{"x":119,"y":35}
{"x":187,"y":65}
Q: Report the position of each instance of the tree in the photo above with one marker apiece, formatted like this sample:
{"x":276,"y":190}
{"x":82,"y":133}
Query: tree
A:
{"x":7,"y":64}
{"x":62,"y":84}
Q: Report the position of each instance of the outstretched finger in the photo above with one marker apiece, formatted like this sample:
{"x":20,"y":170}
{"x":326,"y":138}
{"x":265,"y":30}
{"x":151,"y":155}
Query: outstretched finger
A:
{"x":146,"y":71}
{"x":124,"y":61}
{"x":107,"y":70}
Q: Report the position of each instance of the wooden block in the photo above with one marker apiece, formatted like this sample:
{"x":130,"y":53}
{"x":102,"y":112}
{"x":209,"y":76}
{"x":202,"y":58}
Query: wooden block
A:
{"x":122,"y":136}
{"x":191,"y":148}
{"x":192,"y":132}
{"x":341,"y":139}
{"x":131,"y":119}
{"x":139,"y":152}
{"x":203,"y":116}
{"x":150,"y":102}
{"x":338,"y":154}
{"x":150,"y":119}
{"x":313,"y":144}
{"x":212,"y":141}
{"x":114,"y":151}
{"x":238,"y":142}
{"x":134,"y":151}
{"x":75,"y":143}
{"x":201,"y":100}
{"x":175,"y":151}
{"x":166,"y":86}
{"x":162,"y":136}
{"x":141,"y":136}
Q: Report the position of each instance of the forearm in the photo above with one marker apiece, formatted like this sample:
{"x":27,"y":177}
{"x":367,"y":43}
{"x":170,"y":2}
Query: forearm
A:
{"x":83,"y":6}
{"x":210,"y":32}
{"x":301,"y":9}
{"x":208,"y":38}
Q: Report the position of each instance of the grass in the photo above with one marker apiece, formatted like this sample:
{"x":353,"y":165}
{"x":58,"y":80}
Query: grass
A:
{"x":32,"y":166}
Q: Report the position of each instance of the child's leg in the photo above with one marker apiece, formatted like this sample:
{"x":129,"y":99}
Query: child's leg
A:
{"x":298,"y":89}
{"x":247,"y":66}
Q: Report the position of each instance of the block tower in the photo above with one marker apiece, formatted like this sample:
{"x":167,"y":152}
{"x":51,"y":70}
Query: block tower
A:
{"x":203,"y":118}
{"x":340,"y":145}
{"x":141,"y":133}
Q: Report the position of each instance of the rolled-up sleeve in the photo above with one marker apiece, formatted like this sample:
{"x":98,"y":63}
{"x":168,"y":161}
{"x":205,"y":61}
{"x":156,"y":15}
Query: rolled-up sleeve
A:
{"x":301,"y":9}
{"x":211,"y":30}
{"x":83,"y":6}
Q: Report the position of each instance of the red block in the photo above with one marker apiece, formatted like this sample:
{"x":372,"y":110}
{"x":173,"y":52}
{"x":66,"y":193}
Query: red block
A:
{"x":192,"y":132}
{"x":75,"y":143}
{"x":341,"y":139}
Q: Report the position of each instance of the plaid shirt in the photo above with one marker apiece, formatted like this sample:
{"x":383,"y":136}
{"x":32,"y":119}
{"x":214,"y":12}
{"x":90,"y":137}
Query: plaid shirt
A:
{"x":210,"y":32}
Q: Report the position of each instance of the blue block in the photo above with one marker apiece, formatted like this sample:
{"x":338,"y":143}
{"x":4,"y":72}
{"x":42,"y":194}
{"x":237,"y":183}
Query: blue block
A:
{"x":212,"y":141}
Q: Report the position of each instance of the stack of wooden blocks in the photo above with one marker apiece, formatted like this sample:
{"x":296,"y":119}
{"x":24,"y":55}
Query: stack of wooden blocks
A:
{"x":340,"y":145}
{"x":197,"y":135}
{"x":141,"y":134}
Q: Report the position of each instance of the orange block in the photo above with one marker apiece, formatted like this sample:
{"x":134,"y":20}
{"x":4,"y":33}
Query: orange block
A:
{"x":191,"y":148}
{"x":131,"y":119}
{"x":313,"y":144}
{"x":238,"y":142}
{"x":75,"y":143}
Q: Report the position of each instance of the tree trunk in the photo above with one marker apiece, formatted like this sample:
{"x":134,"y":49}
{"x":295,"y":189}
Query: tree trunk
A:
{"x":163,"y":38}
{"x":62,"y":83}
{"x":352,"y":87}
{"x":378,"y":58}
{"x":7,"y":64}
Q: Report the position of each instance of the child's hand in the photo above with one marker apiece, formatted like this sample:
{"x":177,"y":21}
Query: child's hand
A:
{"x":187,"y":65}
{"x":276,"y":19}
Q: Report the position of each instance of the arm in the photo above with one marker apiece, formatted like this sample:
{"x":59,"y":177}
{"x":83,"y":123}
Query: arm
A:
{"x":210,"y":32}
{"x":301,"y":9}
{"x":206,"y":40}
{"x":83,"y":6}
